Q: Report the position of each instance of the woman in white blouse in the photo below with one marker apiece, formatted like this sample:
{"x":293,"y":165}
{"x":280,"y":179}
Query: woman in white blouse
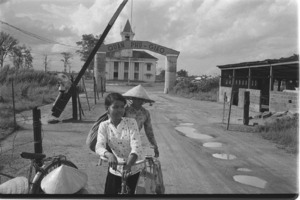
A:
{"x":122,"y":136}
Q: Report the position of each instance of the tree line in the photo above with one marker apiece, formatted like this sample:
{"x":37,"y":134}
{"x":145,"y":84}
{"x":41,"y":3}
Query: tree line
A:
{"x":21,"y":58}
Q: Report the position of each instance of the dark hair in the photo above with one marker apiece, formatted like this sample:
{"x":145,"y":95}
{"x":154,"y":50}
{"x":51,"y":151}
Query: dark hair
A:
{"x":110,"y":98}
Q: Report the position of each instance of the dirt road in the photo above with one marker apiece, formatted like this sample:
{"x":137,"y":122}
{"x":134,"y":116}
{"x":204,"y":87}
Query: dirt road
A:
{"x":198,"y":155}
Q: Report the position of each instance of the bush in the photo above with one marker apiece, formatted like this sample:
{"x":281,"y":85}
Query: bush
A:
{"x":204,"y":89}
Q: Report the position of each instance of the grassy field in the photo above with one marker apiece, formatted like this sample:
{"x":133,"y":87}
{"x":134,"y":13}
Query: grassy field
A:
{"x":283,"y":131}
{"x":31,"y":89}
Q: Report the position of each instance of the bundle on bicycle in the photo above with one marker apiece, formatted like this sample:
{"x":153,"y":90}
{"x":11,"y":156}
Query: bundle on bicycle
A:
{"x":40,"y":168}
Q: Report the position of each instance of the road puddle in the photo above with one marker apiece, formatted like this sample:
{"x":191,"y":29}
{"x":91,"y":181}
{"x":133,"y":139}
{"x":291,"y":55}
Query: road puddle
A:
{"x":186,"y":124}
{"x":244,"y":169}
{"x":250,"y":180}
{"x":191,"y":132}
{"x":212,"y":144}
{"x":224,"y":156}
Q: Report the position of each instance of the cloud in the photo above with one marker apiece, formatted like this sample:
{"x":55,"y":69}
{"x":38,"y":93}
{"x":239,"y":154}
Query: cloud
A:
{"x":3,"y":1}
{"x":206,"y":32}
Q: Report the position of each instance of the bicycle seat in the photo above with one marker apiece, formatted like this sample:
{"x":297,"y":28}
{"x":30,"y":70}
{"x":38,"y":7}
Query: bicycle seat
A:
{"x":33,"y":156}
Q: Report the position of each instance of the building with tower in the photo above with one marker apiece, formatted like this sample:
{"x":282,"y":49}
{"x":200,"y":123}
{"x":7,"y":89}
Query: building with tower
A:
{"x":130,"y":64}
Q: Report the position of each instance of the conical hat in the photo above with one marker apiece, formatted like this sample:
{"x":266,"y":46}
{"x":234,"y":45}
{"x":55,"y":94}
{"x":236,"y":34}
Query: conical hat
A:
{"x":18,"y":185}
{"x":138,"y":92}
{"x":64,"y":180}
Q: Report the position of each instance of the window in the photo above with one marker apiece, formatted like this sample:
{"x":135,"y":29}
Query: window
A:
{"x":125,"y":75}
{"x":116,"y":75}
{"x":116,"y":66}
{"x":148,"y":66}
{"x":136,"y":76}
{"x":148,"y":76}
{"x":136,"y":67}
{"x":126,"y":66}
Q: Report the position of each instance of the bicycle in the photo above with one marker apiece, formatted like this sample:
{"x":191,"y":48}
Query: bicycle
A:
{"x":43,"y":165}
{"x":124,"y":175}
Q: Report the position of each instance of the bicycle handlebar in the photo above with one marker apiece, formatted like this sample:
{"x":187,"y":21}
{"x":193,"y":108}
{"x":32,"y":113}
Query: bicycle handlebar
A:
{"x":123,"y":162}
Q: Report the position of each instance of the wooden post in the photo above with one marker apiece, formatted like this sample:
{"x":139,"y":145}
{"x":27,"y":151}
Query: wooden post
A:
{"x":79,"y":104}
{"x":246,"y":107}
{"x":279,"y":84}
{"x":225,"y":100}
{"x":13,"y":98}
{"x":270,"y":83}
{"x":87,"y":99}
{"x":102,"y":86}
{"x":37,"y":132}
{"x":231,"y":98}
{"x":74,"y":103}
{"x":249,"y":78}
{"x":95,"y":95}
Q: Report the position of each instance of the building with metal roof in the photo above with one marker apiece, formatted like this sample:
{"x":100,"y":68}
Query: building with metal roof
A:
{"x":273,"y":83}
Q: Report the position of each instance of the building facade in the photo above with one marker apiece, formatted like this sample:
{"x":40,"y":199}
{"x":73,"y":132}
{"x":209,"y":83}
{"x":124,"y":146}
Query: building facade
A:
{"x":273,"y":84}
{"x":129,"y":64}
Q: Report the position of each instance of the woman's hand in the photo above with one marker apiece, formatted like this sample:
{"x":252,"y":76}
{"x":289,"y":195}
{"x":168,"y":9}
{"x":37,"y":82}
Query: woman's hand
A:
{"x":112,"y":160}
{"x":130,"y":161}
{"x":156,"y":152}
{"x":127,"y":168}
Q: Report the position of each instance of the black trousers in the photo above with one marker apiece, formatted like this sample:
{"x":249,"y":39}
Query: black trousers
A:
{"x":113,"y":183}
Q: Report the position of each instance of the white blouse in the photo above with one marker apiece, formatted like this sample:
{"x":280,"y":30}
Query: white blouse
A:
{"x":123,"y":140}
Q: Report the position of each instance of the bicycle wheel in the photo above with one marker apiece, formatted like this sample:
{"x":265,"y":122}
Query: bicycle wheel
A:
{"x":47,"y":168}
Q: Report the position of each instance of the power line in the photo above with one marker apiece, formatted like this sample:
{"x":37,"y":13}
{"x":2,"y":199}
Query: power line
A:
{"x":37,"y":36}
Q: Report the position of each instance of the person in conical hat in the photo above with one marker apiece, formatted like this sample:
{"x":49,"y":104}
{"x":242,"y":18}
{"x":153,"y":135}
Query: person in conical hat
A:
{"x":137,"y":96}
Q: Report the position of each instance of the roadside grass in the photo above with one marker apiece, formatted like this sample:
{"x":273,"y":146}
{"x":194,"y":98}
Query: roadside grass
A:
{"x":283,"y":131}
{"x":31,"y":89}
{"x":211,"y":95}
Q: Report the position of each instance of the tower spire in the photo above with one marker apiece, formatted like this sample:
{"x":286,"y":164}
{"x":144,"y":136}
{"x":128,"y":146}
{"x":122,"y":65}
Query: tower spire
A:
{"x":127,"y":33}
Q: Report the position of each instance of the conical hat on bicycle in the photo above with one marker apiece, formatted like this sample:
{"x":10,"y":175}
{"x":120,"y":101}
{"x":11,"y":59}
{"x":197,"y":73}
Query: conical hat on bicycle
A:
{"x":138,"y":92}
{"x":64,"y":180}
{"x":18,"y":185}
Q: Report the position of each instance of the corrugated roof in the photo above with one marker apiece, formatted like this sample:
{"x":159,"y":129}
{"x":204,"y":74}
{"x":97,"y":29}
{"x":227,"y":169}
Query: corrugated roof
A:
{"x":135,"y":54}
{"x":292,"y":58}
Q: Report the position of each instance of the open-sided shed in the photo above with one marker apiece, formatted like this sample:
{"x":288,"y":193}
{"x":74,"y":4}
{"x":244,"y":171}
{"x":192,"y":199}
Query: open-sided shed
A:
{"x":273,"y":83}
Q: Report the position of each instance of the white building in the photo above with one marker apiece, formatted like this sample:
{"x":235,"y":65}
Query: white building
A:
{"x":129,"y":64}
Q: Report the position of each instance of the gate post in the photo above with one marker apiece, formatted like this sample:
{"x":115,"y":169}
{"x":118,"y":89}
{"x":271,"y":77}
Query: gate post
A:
{"x":99,"y":69}
{"x":246,"y":107}
{"x":37,"y":132}
{"x":170,"y":72}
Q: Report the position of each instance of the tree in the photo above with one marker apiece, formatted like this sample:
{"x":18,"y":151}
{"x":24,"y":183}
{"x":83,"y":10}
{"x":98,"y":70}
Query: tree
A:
{"x":87,"y":44}
{"x":7,"y":43}
{"x":21,"y":57}
{"x":162,"y":74}
{"x":182,"y":73}
{"x":27,"y":57}
{"x":46,"y":62}
{"x":66,"y":57}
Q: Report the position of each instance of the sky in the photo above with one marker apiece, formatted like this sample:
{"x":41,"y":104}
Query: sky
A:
{"x":207,"y":33}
